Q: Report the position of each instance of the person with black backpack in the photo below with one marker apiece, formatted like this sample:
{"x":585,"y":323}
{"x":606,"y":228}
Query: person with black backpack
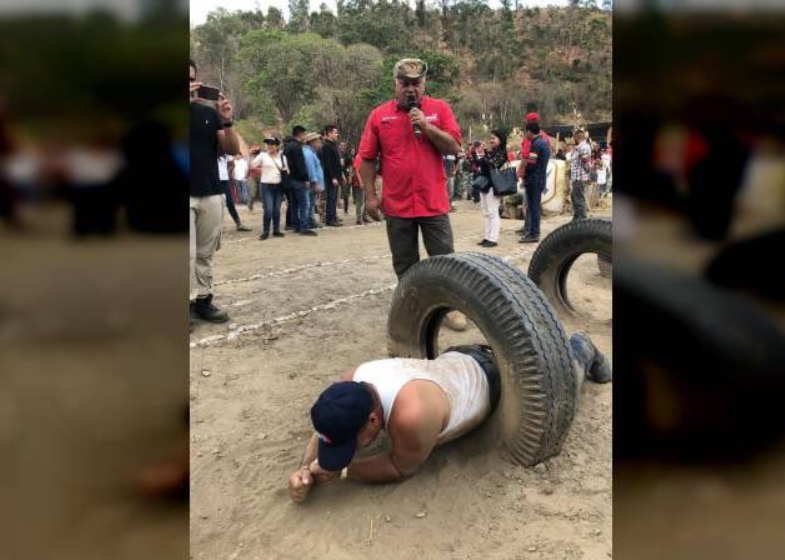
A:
{"x":298,"y":191}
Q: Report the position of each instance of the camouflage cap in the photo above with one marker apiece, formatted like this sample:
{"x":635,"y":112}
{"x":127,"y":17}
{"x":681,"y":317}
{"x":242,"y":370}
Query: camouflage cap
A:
{"x":411,"y":68}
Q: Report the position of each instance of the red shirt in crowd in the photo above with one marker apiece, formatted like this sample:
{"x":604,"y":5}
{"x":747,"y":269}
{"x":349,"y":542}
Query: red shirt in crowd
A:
{"x":414,"y":177}
{"x":526,"y":145}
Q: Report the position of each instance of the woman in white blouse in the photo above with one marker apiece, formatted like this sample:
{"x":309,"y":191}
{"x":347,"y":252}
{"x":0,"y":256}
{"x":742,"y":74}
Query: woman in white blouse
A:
{"x":270,"y":166}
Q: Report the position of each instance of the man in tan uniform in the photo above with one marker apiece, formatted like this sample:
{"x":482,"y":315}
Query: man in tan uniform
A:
{"x":210,"y":135}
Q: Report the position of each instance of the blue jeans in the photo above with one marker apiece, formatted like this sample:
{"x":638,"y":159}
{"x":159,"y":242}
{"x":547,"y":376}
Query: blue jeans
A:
{"x":242,"y":190}
{"x":302,"y":207}
{"x":533,"y":209}
{"x":312,"y":196}
{"x":271,"y":200}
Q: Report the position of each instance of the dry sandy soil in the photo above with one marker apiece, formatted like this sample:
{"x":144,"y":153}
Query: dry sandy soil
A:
{"x":92,"y":389}
{"x":306,"y":309}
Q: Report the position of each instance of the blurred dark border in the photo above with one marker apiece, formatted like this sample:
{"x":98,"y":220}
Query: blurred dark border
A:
{"x":93,"y":306}
{"x":699,"y":286}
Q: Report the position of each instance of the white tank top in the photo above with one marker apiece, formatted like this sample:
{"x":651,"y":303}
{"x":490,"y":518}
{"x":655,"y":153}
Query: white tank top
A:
{"x":460,"y":377}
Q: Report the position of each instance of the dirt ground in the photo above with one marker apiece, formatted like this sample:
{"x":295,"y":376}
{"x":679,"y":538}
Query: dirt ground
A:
{"x":90,"y":392}
{"x":304,"y":310}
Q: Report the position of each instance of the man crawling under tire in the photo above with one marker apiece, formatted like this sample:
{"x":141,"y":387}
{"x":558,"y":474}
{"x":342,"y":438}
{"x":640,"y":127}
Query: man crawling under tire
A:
{"x":420,"y":403}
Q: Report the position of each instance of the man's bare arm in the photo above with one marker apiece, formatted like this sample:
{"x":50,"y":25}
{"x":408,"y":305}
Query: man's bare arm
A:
{"x":414,"y":435}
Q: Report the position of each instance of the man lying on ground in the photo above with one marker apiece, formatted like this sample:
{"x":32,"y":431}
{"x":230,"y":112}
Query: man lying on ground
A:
{"x":419,"y":403}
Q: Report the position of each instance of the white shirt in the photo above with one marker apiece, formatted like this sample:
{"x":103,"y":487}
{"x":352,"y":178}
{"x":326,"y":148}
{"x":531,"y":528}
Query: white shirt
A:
{"x":223,"y":169}
{"x":240,"y":169}
{"x":460,"y":377}
{"x":270,"y":167}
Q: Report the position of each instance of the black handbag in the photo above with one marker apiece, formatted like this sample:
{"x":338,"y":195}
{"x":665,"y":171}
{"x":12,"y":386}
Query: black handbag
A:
{"x":505,"y":181}
{"x":284,"y":171}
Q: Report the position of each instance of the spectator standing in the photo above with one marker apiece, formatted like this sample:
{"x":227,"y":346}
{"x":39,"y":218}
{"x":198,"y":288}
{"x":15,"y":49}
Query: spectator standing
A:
{"x":450,"y":169}
{"x":527,"y":143}
{"x":606,"y":166}
{"x":359,"y":193}
{"x":410,"y":134}
{"x":297,"y":193}
{"x":495,"y":158}
{"x":534,"y":181}
{"x":463,"y":179}
{"x":580,"y":170}
{"x":210,"y":134}
{"x":346,"y":171}
{"x":241,"y":177}
{"x":333,"y":173}
{"x":273,"y":171}
{"x":253,"y":182}
{"x":316,"y":179}
{"x":223,"y":175}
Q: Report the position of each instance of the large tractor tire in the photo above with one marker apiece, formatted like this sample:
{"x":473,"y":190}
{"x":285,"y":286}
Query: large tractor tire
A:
{"x":529,"y":345}
{"x":552,"y":261}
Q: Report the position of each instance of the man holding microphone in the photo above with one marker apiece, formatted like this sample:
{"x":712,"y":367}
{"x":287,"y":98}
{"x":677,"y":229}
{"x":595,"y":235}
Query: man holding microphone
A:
{"x":411,"y":134}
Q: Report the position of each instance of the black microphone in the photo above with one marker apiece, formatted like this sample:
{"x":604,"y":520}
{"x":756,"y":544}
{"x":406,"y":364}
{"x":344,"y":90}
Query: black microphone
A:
{"x":413,"y":104}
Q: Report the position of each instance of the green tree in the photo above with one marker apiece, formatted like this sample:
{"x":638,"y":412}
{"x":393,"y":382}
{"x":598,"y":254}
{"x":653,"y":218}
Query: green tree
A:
{"x":275,"y":18}
{"x":299,"y":11}
{"x":324,"y":22}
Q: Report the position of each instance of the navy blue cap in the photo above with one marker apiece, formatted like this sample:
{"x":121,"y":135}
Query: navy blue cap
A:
{"x":338,"y":415}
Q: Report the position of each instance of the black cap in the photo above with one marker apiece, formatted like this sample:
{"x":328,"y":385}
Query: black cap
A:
{"x":338,"y":415}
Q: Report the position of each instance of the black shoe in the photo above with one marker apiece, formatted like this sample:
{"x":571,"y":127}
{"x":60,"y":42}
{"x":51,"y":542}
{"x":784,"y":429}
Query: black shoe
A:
{"x":264,"y":236}
{"x":600,"y":370}
{"x":308,"y":232}
{"x":334,"y":224}
{"x":483,"y":243}
{"x":520,"y":231}
{"x":278,"y":234}
{"x":204,"y":309}
{"x":490,"y":244}
{"x":530,"y":239}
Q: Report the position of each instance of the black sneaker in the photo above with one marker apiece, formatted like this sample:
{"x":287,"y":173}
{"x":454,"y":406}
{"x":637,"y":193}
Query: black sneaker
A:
{"x":334,"y":224}
{"x":600,"y":370}
{"x":530,"y":239}
{"x":204,"y":309}
{"x":278,"y":234}
{"x":482,"y":243}
{"x":490,"y":244}
{"x":308,"y":232}
{"x":264,"y":236}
